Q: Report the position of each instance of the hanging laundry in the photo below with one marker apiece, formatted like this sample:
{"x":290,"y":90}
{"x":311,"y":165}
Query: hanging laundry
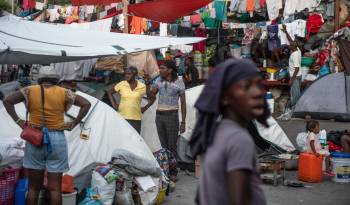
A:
{"x":250,"y":6}
{"x":212,"y":12}
{"x":273,"y":40}
{"x":28,"y":4}
{"x":283,"y":36}
{"x":313,"y":24}
{"x":138,"y":25}
{"x":290,"y":7}
{"x":234,"y":5}
{"x":242,"y":8}
{"x":196,"y":19}
{"x":298,"y":5}
{"x":248,"y":34}
{"x":262,"y":3}
{"x":53,"y":15}
{"x":273,"y":7}
{"x":220,"y":9}
{"x":201,"y":45}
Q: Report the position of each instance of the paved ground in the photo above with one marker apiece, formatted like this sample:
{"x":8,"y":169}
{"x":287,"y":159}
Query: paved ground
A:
{"x":323,"y":193}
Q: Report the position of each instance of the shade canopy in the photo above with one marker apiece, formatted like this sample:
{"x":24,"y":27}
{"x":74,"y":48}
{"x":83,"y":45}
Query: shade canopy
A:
{"x":27,"y":42}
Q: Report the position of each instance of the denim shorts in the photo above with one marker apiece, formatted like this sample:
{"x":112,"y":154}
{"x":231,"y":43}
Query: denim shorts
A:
{"x":55,"y":161}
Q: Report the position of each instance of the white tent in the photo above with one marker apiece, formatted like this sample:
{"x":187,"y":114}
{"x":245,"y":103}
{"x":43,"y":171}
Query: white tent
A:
{"x":107,"y":131}
{"x":28,"y":42}
{"x":273,"y":134}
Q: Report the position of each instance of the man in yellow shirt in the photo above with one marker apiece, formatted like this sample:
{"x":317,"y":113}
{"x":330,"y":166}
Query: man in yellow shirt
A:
{"x":131,"y":92}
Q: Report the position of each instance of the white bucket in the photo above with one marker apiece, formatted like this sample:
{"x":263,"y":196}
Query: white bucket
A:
{"x":341,"y":169}
{"x":69,"y":199}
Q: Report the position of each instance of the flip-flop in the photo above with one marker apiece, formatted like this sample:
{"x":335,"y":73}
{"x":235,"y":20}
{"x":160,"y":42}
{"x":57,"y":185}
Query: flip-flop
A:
{"x":329,"y":174}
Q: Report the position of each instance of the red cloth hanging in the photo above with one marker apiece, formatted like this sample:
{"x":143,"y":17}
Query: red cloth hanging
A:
{"x":262,"y":3}
{"x":166,"y":11}
{"x":198,"y":32}
{"x":28,"y":4}
{"x":313,"y":24}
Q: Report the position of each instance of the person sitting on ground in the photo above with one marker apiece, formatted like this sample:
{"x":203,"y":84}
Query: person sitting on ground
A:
{"x":345,"y":141}
{"x":340,"y":138}
{"x":314,"y":145}
{"x":53,"y":156}
{"x":229,"y":173}
{"x":131,"y":92}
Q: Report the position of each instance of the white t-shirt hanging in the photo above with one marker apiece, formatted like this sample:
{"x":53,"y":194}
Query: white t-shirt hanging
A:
{"x":242,"y":8}
{"x":283,"y":36}
{"x":295,"y":62}
{"x":273,"y":7}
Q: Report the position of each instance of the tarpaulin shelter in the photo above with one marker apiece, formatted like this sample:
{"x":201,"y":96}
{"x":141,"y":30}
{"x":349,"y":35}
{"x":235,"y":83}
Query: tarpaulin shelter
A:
{"x":93,"y":2}
{"x":272,"y":135}
{"x":166,"y":11}
{"x":107,"y":131}
{"x":327,"y":98}
{"x":27,"y":42}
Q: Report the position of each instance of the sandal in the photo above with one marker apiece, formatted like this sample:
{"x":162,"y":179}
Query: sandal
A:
{"x":329,"y":174}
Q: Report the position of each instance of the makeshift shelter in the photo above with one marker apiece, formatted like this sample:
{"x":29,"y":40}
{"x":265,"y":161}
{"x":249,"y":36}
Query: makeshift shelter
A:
{"x":327,"y":98}
{"x":106,"y":130}
{"x":27,"y":42}
{"x":273,"y":135}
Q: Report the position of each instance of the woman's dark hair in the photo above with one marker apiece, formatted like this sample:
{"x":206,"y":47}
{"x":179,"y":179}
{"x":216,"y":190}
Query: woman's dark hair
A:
{"x":311,"y":125}
{"x":171,"y":65}
{"x":133,"y":70}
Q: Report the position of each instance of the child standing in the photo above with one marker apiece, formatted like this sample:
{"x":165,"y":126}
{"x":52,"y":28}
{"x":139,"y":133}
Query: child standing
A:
{"x":314,"y":145}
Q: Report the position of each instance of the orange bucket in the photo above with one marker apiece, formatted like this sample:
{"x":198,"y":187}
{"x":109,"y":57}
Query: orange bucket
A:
{"x":310,"y":168}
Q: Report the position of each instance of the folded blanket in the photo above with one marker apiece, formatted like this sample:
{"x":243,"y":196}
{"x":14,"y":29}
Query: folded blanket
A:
{"x":135,"y":165}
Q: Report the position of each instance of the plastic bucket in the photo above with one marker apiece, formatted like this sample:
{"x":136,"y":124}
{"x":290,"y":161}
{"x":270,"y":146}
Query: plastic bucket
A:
{"x":341,"y":167}
{"x":69,"y":199}
{"x":161,"y":196}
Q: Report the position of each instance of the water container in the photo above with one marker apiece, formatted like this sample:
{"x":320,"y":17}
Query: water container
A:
{"x":270,"y":101}
{"x":341,"y":167}
{"x":21,"y":190}
{"x":69,"y":199}
{"x":310,"y":167}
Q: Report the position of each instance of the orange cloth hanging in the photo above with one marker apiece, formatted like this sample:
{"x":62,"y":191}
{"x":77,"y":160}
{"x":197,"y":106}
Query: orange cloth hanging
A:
{"x":250,"y":5}
{"x":138,"y":25}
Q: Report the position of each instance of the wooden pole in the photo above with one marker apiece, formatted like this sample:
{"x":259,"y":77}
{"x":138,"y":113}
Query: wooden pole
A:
{"x":125,"y":13}
{"x":13,"y":7}
{"x":336,"y":15}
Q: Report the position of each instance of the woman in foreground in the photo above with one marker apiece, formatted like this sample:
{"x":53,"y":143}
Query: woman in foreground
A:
{"x":231,"y":98}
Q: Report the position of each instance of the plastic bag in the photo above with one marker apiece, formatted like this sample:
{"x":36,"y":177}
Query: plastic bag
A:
{"x":91,"y":198}
{"x":302,"y":141}
{"x":123,"y":198}
{"x":106,"y":191}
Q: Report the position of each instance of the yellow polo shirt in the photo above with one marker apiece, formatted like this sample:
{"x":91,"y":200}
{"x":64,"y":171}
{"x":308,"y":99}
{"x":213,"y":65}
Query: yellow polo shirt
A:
{"x":130,"y":100}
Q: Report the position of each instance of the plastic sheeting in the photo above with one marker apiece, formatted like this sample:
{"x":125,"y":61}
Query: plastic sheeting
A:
{"x":327,"y":98}
{"x":27,"y":42}
{"x":107,"y":131}
{"x":273,"y":134}
{"x":166,"y":11}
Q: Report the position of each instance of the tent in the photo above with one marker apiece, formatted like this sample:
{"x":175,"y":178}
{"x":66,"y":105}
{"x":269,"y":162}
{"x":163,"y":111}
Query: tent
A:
{"x":327,"y":98}
{"x":27,"y":42}
{"x":106,"y":129}
{"x":274,"y":134}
